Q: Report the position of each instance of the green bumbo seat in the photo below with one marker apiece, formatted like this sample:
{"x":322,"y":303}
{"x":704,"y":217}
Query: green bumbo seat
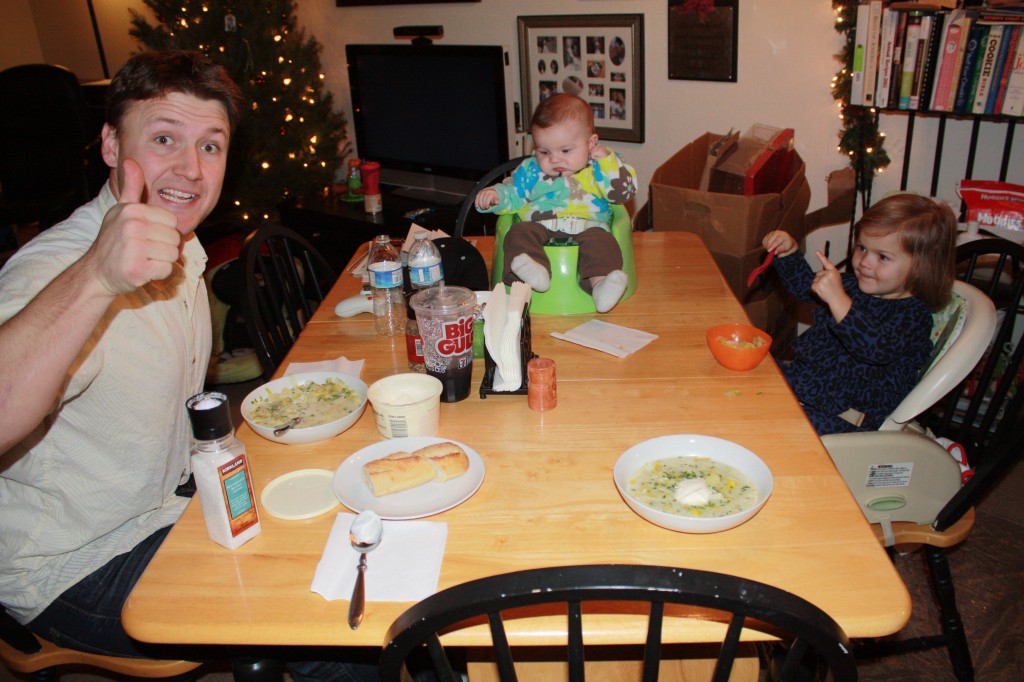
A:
{"x":565,"y":297}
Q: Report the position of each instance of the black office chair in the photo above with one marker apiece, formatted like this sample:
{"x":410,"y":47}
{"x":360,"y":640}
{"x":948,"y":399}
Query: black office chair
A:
{"x":46,"y":141}
{"x":487,"y":180}
{"x":650,"y":590}
{"x":286,"y":279}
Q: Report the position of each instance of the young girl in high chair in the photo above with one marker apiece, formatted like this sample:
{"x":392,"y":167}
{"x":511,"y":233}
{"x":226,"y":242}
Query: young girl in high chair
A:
{"x":871,"y":336}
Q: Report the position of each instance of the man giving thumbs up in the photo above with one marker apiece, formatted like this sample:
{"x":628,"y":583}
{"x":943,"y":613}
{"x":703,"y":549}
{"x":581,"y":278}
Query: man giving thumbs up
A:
{"x":104,"y":333}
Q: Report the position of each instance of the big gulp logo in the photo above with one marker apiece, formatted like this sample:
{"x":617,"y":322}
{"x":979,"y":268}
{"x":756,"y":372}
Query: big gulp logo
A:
{"x":457,"y":337}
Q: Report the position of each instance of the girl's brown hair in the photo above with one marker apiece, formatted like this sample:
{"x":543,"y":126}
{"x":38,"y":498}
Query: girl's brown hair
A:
{"x":926,"y":230}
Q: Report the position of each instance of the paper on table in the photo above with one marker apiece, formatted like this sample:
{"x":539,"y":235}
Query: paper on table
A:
{"x":404,"y":567}
{"x":342,"y":365}
{"x":415,"y":229}
{"x":607,"y":337}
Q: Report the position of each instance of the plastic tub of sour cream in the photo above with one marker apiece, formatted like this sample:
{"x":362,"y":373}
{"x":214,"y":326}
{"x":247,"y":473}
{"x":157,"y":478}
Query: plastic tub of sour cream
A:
{"x":406,"y":405}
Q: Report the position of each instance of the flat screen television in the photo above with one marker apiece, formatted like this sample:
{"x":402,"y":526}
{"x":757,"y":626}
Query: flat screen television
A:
{"x":436,"y":117}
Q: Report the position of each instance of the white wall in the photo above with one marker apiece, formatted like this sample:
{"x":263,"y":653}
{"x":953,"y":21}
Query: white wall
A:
{"x":785,"y":66}
{"x":19,"y":43}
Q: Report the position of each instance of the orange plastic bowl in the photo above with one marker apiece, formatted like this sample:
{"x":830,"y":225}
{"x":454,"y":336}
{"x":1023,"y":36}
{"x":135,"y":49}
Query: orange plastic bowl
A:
{"x":739,"y":347}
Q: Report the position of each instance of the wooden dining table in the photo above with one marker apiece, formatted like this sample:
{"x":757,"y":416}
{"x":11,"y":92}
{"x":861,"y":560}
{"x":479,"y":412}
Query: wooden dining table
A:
{"x":548,"y":497}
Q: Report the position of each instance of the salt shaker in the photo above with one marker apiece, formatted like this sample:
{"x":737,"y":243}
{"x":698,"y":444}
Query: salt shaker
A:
{"x":542,"y":393}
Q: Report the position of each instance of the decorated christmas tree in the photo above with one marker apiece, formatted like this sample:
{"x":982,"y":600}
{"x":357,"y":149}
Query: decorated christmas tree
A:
{"x":291,"y":140}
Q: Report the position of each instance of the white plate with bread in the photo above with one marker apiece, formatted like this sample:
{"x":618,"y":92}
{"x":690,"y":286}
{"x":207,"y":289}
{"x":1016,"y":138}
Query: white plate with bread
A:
{"x":409,"y":478}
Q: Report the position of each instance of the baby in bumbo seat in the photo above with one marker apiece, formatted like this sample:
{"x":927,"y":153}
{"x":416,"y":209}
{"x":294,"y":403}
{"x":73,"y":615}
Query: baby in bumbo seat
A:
{"x":564,"y":192}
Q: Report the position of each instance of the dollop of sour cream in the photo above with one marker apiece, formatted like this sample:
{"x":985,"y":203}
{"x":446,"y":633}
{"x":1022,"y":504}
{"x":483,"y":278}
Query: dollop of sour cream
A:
{"x":694,"y":492}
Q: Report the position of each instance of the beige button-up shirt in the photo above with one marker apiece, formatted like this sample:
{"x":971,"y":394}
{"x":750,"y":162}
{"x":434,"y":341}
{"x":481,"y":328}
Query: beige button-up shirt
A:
{"x":99,"y":474}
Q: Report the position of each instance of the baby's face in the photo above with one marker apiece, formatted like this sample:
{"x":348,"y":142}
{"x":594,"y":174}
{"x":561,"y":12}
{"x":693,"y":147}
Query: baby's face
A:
{"x":563,"y":149}
{"x":881,"y":265}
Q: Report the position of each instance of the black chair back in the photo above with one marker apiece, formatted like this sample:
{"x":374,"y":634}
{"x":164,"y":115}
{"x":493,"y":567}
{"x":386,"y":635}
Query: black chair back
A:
{"x":46,"y":138}
{"x":738,"y":602}
{"x":286,"y":279}
{"x":487,"y":180}
{"x":989,"y":402}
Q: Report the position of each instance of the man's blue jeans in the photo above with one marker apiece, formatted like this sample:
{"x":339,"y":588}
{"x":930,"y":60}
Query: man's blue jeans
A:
{"x":87,"y":617}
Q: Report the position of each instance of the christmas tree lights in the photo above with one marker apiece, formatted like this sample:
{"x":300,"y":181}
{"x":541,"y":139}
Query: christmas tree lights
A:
{"x":291,"y":140}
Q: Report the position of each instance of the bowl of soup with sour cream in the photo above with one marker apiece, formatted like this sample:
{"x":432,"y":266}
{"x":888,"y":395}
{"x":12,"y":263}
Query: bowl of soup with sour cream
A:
{"x":693,"y":483}
{"x":326,"y":404}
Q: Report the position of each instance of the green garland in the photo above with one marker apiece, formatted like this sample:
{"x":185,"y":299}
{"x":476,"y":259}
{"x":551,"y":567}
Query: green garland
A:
{"x":859,"y":139}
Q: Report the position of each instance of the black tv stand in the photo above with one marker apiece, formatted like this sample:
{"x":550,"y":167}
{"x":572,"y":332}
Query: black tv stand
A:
{"x":430,"y":196}
{"x":337,"y":228}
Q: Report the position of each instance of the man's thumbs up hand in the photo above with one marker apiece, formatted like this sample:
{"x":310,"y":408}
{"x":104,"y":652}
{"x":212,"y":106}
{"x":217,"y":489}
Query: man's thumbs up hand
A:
{"x":137,"y":243}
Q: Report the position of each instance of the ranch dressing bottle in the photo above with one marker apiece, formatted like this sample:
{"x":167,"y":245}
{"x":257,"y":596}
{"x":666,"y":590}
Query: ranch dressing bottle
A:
{"x":221,"y":471}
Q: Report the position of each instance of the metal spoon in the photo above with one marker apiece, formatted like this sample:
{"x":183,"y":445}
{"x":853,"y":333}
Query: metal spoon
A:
{"x":284,"y":427}
{"x":364,"y":535}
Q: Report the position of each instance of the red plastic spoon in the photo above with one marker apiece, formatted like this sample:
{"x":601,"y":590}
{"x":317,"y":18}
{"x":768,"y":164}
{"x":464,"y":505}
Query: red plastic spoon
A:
{"x":760,"y":268}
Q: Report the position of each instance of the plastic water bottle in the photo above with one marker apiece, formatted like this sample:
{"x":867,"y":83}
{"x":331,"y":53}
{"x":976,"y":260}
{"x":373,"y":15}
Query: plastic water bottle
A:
{"x":425,"y":268}
{"x":385,"y":269}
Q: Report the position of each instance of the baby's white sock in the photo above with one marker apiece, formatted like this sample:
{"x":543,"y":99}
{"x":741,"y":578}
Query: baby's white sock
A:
{"x":531,"y":272}
{"x":609,"y":290}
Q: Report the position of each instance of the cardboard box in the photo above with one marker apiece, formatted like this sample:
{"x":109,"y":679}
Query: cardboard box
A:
{"x":759,"y":163}
{"x":736,"y":270}
{"x":774,"y":311}
{"x":727,"y":223}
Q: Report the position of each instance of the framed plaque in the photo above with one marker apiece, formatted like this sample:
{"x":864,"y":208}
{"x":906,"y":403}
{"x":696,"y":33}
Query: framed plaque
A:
{"x":702,"y":38}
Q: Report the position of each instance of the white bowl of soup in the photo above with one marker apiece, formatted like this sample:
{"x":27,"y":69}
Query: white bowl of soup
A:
{"x":327,"y":403}
{"x":693,"y":483}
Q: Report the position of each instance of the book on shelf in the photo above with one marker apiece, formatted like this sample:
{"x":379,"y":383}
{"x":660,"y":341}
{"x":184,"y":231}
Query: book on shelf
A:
{"x":1013,"y":100}
{"x":956,"y":25}
{"x":999,"y":76}
{"x":968,"y":76}
{"x":930,"y":54}
{"x":860,"y":37}
{"x":933,"y":6}
{"x":988,"y":15}
{"x":986,"y":67}
{"x":890,"y":23}
{"x":911,"y":45}
{"x":897,"y":60}
{"x":871,"y":49}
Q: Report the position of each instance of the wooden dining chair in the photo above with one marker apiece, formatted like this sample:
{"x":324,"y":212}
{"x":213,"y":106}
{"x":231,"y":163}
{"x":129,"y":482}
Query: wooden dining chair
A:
{"x":972,"y":413}
{"x":286,"y":279}
{"x":579,"y":593}
{"x":24,"y":652}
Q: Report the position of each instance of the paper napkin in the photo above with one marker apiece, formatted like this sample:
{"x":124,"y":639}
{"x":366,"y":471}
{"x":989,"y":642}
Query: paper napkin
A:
{"x":607,"y":337}
{"x":404,"y":567}
{"x":342,"y":365}
{"x":503,"y":317}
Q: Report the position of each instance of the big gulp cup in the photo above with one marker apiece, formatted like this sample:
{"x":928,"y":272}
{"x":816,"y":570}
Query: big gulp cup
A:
{"x":444,"y":316}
